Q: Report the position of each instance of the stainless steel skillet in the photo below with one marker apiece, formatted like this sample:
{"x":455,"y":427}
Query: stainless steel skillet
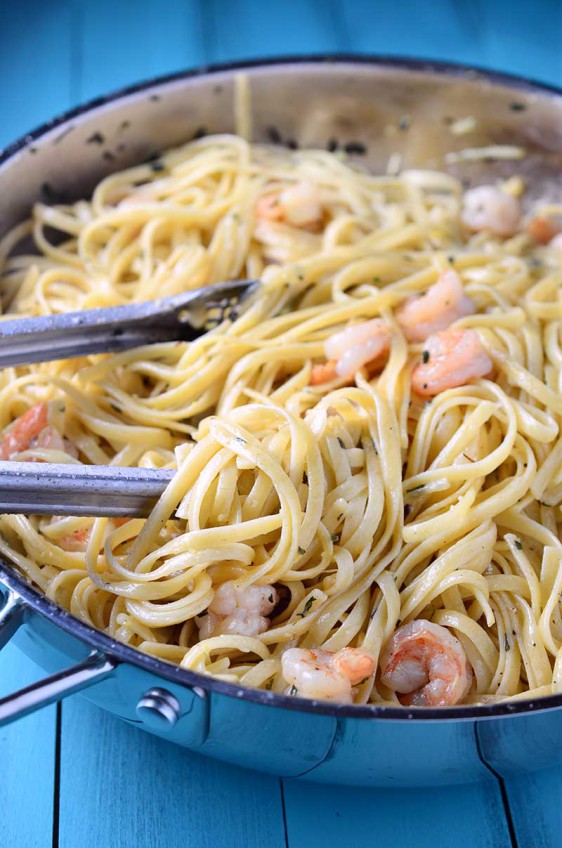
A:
{"x":374,"y":108}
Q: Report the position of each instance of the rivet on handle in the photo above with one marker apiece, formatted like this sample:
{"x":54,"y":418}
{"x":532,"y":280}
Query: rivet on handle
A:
{"x":159,"y":709}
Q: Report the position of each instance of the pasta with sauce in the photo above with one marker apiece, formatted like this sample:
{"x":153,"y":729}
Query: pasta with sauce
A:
{"x":366,"y":505}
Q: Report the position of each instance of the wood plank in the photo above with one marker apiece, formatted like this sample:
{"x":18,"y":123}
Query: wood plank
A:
{"x":461,"y":816}
{"x":35,"y":64}
{"x":247,"y":29}
{"x":122,"y":787}
{"x":440,"y":30}
{"x":27,"y":754}
{"x":142,"y":40}
{"x":536,"y":807}
{"x":524,"y":38}
{"x":521,"y":38}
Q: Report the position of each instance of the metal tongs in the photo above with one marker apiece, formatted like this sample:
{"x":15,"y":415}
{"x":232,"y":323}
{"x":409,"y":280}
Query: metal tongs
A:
{"x":103,"y":490}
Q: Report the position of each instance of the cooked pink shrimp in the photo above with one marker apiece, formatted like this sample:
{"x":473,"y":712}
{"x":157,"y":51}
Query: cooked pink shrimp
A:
{"x":450,"y":359}
{"x":323,"y":372}
{"x":32,"y":429}
{"x":78,"y":539}
{"x":488,"y":209}
{"x":50,"y":439}
{"x":24,"y":431}
{"x":542,"y":230}
{"x":426,"y":664}
{"x":556,"y":243}
{"x":75,"y":541}
{"x":443,"y":303}
{"x":354,"y":663}
{"x":357,"y":345}
{"x":268,"y":206}
{"x":243,"y":611}
{"x":136,"y":198}
{"x":324,"y":675}
{"x":298,"y":205}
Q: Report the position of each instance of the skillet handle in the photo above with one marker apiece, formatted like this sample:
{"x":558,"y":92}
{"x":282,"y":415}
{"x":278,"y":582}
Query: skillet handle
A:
{"x":91,"y":670}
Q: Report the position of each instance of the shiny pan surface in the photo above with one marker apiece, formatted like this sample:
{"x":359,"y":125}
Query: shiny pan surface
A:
{"x":360,"y":103}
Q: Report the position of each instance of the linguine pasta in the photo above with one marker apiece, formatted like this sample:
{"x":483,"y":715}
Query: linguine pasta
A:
{"x":358,"y":504}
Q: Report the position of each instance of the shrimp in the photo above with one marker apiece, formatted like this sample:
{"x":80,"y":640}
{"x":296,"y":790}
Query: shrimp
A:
{"x":542,"y":230}
{"x":269,"y":207}
{"x":50,"y":439}
{"x":556,"y":243}
{"x":148,"y":192}
{"x":78,"y":539}
{"x":75,"y":541}
{"x":426,"y":664}
{"x":450,"y":359}
{"x":298,"y":205}
{"x":323,"y":372}
{"x":236,"y":610}
{"x":352,"y":348}
{"x":488,"y":209}
{"x":443,"y":303}
{"x":324,"y":675}
{"x":25,"y":430}
{"x":32,"y":430}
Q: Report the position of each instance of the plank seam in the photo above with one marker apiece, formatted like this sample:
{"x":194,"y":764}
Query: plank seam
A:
{"x":56,"y":789}
{"x":338,"y":22}
{"x":284,"y":811}
{"x":503,"y":790}
{"x":76,"y":49}
{"x":209,"y":34}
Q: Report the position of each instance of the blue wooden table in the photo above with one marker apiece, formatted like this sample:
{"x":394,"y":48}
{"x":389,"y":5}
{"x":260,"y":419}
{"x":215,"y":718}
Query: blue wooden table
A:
{"x":74,"y":776}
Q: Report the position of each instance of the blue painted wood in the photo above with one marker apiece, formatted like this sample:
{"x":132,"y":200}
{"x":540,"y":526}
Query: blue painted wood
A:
{"x":241,"y":30}
{"x":522,"y":38}
{"x":35,"y":64}
{"x":536,"y":805}
{"x":441,"y":29}
{"x":457,"y":817}
{"x":122,"y":787}
{"x":123,"y":43}
{"x":27,"y":755}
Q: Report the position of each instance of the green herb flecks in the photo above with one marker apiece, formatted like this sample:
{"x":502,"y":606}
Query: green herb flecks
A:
{"x":307,"y":607}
